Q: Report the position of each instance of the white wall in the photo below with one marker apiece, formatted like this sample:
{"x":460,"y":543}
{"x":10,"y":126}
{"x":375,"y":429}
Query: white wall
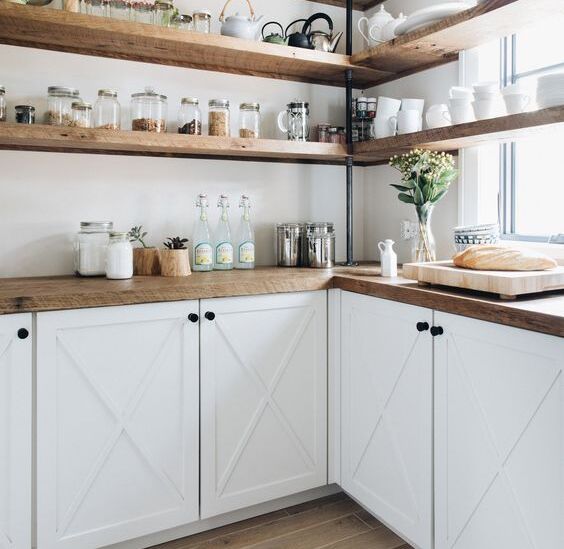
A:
{"x":44,"y":196}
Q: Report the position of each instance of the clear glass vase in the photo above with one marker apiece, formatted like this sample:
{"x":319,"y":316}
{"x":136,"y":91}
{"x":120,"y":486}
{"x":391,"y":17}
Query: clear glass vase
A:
{"x":424,"y":247}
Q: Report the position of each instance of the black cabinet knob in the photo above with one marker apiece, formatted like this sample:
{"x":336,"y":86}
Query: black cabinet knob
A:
{"x":193,"y":317}
{"x":422,"y":326}
{"x":437,"y":331}
{"x":210,"y":316}
{"x":23,"y":333}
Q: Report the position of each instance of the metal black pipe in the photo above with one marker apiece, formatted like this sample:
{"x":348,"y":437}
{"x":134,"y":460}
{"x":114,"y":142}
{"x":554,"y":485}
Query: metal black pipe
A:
{"x":349,"y":26}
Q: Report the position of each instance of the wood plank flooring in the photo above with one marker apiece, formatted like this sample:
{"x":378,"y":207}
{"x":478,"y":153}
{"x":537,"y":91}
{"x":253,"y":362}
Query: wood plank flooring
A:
{"x":333,"y":522}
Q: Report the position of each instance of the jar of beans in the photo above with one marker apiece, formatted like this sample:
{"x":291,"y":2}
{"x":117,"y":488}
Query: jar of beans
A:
{"x":218,"y":118}
{"x":249,"y":120}
{"x":107,"y":110}
{"x":148,"y":111}
{"x":59,"y":105}
{"x":190,"y":116}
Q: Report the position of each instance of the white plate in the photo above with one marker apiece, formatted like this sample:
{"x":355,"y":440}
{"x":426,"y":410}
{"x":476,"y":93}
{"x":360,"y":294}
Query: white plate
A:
{"x":427,"y":16}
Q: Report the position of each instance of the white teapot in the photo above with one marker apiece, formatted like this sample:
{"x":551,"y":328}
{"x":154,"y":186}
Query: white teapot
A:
{"x":389,"y":30}
{"x":374,"y":26}
{"x":240,"y":26}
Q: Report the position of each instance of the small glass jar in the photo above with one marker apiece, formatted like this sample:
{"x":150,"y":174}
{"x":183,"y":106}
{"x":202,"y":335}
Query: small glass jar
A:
{"x":190,"y":116}
{"x":91,"y":246}
{"x":148,"y":111}
{"x":323,"y":133}
{"x":371,"y":103}
{"x":182,"y":22}
{"x":342,"y":133}
{"x":25,"y":114}
{"x":96,"y":7}
{"x":59,"y":105}
{"x":163,"y":12}
{"x":249,"y":120}
{"x":120,"y":9}
{"x":107,"y":111}
{"x":119,"y":257}
{"x":142,"y":12}
{"x":218,"y":118}
{"x":2,"y":104}
{"x":81,"y":115}
{"x":361,"y":107}
{"x":202,"y":21}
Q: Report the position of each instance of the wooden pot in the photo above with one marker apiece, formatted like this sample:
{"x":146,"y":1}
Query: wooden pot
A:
{"x":175,"y":263}
{"x":146,"y":262}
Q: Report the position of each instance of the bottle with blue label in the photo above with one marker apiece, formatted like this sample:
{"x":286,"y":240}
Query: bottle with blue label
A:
{"x":245,"y":250}
{"x":223,"y":247}
{"x":202,"y":258}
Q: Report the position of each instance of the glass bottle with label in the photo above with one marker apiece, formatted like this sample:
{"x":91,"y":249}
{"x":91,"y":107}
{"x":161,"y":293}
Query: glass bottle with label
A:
{"x":246,"y":238}
{"x":202,"y":259}
{"x":223,"y":253}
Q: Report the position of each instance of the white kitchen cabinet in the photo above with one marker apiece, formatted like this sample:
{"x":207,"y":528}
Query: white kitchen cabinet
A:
{"x":117,"y":423}
{"x":386,"y":412}
{"x":263,"y":398}
{"x":499,"y":457}
{"x":15,"y":431}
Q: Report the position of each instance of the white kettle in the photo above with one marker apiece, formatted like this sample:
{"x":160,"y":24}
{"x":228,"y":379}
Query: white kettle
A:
{"x":240,"y":26}
{"x":374,"y":26}
{"x":388,"y":258}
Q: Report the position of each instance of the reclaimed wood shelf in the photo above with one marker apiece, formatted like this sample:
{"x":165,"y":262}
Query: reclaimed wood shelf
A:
{"x":452,"y":138}
{"x":360,"y":5}
{"x":98,"y":141}
{"x":441,"y":42}
{"x":49,"y":29}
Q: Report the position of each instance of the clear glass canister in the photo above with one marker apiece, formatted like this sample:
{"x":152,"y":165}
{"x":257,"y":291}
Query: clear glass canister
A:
{"x":142,"y":12}
{"x":218,"y":118}
{"x":120,"y":9}
{"x":202,"y":21}
{"x":2,"y":104}
{"x":91,"y":246}
{"x":323,"y":133}
{"x":148,"y":111}
{"x":119,"y":257}
{"x":249,"y":120}
{"x":25,"y":114}
{"x":81,"y":115}
{"x":182,"y":22}
{"x":107,"y":110}
{"x":163,"y":12}
{"x":59,"y":105}
{"x":95,"y":7}
{"x":190,"y":116}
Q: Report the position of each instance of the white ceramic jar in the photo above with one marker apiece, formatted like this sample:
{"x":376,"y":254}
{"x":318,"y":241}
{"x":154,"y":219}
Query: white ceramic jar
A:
{"x":90,"y":248}
{"x":388,"y":259}
{"x":119,"y":257}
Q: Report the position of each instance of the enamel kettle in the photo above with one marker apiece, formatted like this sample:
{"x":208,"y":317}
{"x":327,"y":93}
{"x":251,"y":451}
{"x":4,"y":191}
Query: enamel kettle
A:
{"x":240,"y":26}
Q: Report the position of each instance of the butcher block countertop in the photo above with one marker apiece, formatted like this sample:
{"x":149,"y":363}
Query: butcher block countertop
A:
{"x":542,"y":313}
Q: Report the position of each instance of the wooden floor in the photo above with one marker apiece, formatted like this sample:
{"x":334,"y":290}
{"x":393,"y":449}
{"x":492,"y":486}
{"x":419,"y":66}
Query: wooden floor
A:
{"x":334,"y":522}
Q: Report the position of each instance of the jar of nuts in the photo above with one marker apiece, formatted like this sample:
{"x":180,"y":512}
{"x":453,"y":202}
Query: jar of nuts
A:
{"x":190,"y":117}
{"x":107,"y":110}
{"x":59,"y":105}
{"x":148,"y":111}
{"x":218,"y":118}
{"x":249,"y":120}
{"x":81,"y":115}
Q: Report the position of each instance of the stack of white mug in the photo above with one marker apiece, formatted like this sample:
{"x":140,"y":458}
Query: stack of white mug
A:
{"x":395,"y":116}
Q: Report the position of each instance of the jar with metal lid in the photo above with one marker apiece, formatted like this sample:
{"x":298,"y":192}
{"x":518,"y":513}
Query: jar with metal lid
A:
{"x":218,"y":118}
{"x":81,"y":115}
{"x":59,"y":105}
{"x":90,"y":248}
{"x":361,"y":107}
{"x":107,"y":110}
{"x":202,"y":21}
{"x":182,"y":22}
{"x":120,"y":9}
{"x":25,"y":114}
{"x":371,"y":103}
{"x":119,"y":257}
{"x":163,"y":12}
{"x":323,"y":133}
{"x":142,"y":12}
{"x":190,"y":116}
{"x":2,"y":104}
{"x":148,"y":111}
{"x":289,"y":244}
{"x":249,"y":120}
{"x":319,"y":245}
{"x":95,"y":7}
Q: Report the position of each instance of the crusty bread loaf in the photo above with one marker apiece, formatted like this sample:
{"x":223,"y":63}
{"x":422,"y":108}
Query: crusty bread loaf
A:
{"x":500,"y":258}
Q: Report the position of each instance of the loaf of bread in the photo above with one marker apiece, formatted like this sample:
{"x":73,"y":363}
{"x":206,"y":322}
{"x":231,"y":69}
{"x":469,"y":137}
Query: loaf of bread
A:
{"x":500,"y":258}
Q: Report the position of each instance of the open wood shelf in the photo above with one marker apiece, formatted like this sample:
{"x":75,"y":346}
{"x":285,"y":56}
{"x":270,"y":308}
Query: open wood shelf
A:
{"x":360,"y":5}
{"x":93,"y":141}
{"x":441,"y":42}
{"x":59,"y":30}
{"x":452,"y":138}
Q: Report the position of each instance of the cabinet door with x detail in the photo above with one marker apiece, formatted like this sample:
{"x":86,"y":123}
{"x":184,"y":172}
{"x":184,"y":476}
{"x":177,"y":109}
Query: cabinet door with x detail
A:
{"x":263,"y":398}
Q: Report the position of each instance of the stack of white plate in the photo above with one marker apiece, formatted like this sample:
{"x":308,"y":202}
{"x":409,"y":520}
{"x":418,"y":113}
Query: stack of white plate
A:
{"x":475,"y":234}
{"x":550,"y":91}
{"x":431,"y":14}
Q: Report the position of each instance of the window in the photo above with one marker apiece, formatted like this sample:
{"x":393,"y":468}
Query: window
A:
{"x":532,"y":181}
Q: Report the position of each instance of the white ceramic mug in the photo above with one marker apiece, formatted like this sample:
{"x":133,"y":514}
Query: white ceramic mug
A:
{"x":384,"y":127}
{"x":408,"y":121}
{"x":438,"y":116}
{"x":485,"y":109}
{"x":458,"y":92}
{"x":413,"y":105}
{"x":516,"y":103}
{"x":461,"y":111}
{"x":387,"y":107}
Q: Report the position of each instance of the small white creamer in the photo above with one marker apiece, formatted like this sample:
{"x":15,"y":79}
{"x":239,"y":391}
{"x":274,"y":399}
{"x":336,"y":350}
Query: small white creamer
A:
{"x":388,"y":258}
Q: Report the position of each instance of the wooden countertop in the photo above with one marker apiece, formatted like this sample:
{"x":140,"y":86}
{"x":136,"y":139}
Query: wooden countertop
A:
{"x":543,"y":313}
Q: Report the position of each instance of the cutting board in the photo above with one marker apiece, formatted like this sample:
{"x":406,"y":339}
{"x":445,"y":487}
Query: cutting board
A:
{"x":507,"y":284}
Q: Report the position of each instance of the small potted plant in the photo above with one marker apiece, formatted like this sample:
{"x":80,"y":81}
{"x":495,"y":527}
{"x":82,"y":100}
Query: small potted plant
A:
{"x":175,"y":260}
{"x":146,"y":259}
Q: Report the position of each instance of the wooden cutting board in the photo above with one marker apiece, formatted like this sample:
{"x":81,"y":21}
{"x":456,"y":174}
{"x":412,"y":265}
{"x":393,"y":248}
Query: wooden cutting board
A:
{"x":508,"y":284}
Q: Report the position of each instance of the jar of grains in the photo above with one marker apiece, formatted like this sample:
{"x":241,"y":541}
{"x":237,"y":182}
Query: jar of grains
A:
{"x":59,"y":105}
{"x":90,"y":248}
{"x":107,"y":110}
{"x":119,"y":257}
{"x":142,"y":12}
{"x":190,"y":116}
{"x":202,"y":21}
{"x":218,"y":118}
{"x":148,"y":111}
{"x":2,"y":104}
{"x":249,"y":120}
{"x":163,"y":12}
{"x":81,"y":115}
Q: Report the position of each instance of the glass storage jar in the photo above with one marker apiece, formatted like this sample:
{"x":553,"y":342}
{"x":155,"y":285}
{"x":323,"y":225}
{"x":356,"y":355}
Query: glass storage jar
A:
{"x":202,"y":21}
{"x":182,"y":22}
{"x":323,"y":133}
{"x":81,"y":115}
{"x":59,"y":105}
{"x":249,"y":120}
{"x":218,"y":118}
{"x":142,"y":12}
{"x":163,"y":12}
{"x":96,"y":7}
{"x":91,"y":246}
{"x":25,"y":114}
{"x":2,"y":104}
{"x":107,"y":111}
{"x":120,"y":9}
{"x":190,"y":116}
{"x":119,"y":257}
{"x":148,"y":111}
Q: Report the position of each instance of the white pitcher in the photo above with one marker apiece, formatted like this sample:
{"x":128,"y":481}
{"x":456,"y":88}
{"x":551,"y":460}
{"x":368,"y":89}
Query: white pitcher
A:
{"x":388,"y":258}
